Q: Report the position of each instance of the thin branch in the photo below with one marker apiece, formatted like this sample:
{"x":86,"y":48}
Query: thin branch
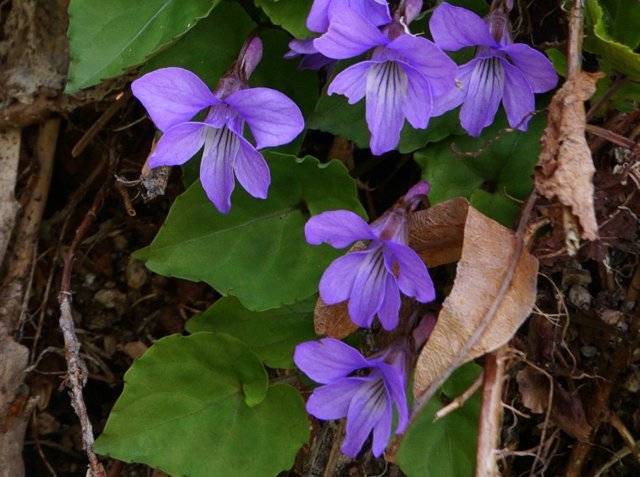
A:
{"x":459,"y":401}
{"x":574,"y":42}
{"x":77,"y":372}
{"x":490,"y":422}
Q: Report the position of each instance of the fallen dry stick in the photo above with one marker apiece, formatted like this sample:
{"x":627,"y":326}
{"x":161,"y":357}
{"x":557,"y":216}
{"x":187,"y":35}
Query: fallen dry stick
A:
{"x":76,"y":369}
{"x":490,"y":422}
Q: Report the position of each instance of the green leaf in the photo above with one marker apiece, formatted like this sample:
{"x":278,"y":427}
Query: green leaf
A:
{"x":333,"y":114}
{"x":257,"y":252}
{"x":559,"y":61}
{"x":622,"y":18}
{"x":496,"y":179}
{"x":447,"y":447}
{"x":110,"y":37}
{"x":616,"y":55}
{"x":272,"y":335}
{"x":439,"y":128}
{"x":211,"y":47}
{"x":289,"y":14}
{"x":183,"y":410}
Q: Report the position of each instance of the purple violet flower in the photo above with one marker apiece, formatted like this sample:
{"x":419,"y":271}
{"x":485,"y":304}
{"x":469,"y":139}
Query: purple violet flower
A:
{"x":372,"y":279}
{"x":173,"y":96}
{"x":366,"y":401}
{"x":502,"y":71}
{"x":406,"y":77}
{"x":376,"y":11}
{"x":311,"y":58}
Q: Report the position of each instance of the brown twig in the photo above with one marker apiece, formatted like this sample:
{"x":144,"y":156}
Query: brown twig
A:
{"x":101,"y":122}
{"x":490,"y":422}
{"x":617,"y":84}
{"x":628,"y":439}
{"x":459,"y":401}
{"x":76,"y":368}
{"x":574,"y":42}
{"x":610,"y":136}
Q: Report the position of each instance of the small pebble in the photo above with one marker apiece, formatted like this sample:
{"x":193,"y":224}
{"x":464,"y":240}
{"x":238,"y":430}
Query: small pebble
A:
{"x":588,"y":351}
{"x":136,"y":274}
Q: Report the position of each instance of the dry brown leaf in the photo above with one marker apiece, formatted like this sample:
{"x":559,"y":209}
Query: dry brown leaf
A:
{"x":333,"y":320}
{"x":534,"y":390}
{"x":436,"y":233}
{"x":565,"y":169}
{"x":567,"y":411}
{"x":487,"y":251}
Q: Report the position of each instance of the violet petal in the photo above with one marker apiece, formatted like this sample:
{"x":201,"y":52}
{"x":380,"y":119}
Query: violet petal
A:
{"x":216,"y":170}
{"x":418,"y":106}
{"x":349,"y":35}
{"x":454,"y":28}
{"x":413,"y":276}
{"x":331,"y":401}
{"x":178,"y":144}
{"x":272,"y":117}
{"x":338,"y":228}
{"x":386,"y":94}
{"x":172,"y":96}
{"x":367,"y":407}
{"x":395,"y":382}
{"x":351,"y":82}
{"x":535,"y":66}
{"x":483,"y":80}
{"x":367,"y":293}
{"x":518,"y":98}
{"x":337,"y":280}
{"x":328,"y":360}
{"x":388,"y":312}
{"x":252,"y":170}
{"x":382,"y":430}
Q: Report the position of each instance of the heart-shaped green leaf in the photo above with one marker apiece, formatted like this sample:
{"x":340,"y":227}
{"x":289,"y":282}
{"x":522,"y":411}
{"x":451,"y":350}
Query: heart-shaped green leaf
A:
{"x":447,"y":447}
{"x":211,"y":47}
{"x":184,"y":409}
{"x":272,"y":335}
{"x":495,"y":177}
{"x":289,"y":14}
{"x":616,"y":54}
{"x":110,"y":37}
{"x":258,"y":251}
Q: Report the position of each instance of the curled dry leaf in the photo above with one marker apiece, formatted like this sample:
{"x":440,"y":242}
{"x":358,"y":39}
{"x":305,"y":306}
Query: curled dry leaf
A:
{"x":454,"y":230}
{"x":333,"y":320}
{"x":567,"y":411}
{"x":565,"y":169}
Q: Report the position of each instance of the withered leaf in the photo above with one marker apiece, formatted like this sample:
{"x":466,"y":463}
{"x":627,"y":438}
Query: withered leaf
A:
{"x":565,"y":169}
{"x":485,"y":249}
{"x":333,"y":320}
{"x":567,"y":411}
